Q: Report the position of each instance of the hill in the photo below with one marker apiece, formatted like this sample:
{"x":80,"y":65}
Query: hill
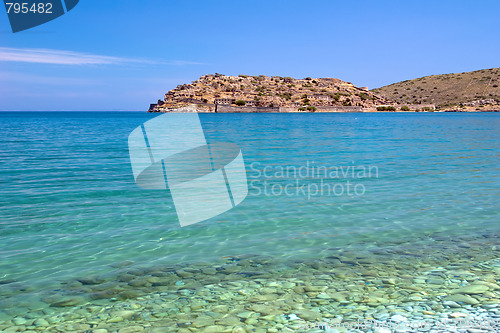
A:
{"x":268,"y":92}
{"x":471,"y":90}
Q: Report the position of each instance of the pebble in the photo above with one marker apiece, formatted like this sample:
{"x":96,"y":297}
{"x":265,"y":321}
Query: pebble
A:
{"x":209,"y":271}
{"x":381,"y":315}
{"x":310,"y":288}
{"x":203,"y":321}
{"x":115,"y":320}
{"x":238,"y":329}
{"x":472,"y":289}
{"x":18,"y":321}
{"x":264,"y":309}
{"x":125,"y":314}
{"x":462,"y":298}
{"x":391,"y":281}
{"x":398,"y":318}
{"x":245,"y":315}
{"x":451,"y":304}
{"x":436,"y":281}
{"x":91,"y":280}
{"x":131,"y":329}
{"x":41,"y":322}
{"x":229,"y":321}
{"x":458,"y":315}
{"x":308,"y":315}
{"x":67,"y":302}
{"x":214,"y":329}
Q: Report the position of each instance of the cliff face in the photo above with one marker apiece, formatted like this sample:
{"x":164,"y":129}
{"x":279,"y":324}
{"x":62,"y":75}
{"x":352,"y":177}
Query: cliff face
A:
{"x":263,"y":91}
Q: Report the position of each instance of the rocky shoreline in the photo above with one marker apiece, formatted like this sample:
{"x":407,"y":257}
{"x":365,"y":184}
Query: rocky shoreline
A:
{"x":206,"y":108}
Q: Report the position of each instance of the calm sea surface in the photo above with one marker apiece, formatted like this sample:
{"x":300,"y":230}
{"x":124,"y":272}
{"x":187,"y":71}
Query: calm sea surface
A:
{"x":69,"y":206}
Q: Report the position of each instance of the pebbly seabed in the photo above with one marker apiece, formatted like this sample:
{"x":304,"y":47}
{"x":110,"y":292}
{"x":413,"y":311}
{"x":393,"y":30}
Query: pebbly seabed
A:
{"x":446,"y":284}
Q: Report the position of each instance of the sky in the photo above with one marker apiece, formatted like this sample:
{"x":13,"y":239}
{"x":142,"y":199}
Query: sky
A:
{"x":122,"y":55}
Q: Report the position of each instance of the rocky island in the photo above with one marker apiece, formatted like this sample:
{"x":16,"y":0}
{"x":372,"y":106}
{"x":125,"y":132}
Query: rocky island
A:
{"x":245,"y":93}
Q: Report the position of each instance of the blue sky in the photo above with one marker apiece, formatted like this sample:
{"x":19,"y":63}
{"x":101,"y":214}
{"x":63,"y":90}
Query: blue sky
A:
{"x":123,"y":55}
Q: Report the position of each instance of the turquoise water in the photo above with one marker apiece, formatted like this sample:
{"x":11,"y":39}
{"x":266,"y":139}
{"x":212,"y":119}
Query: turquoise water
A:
{"x":69,"y":206}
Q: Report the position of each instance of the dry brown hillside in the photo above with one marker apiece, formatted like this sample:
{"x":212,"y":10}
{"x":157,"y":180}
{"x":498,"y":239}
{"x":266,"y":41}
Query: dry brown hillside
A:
{"x":471,"y":88}
{"x":264,"y":91}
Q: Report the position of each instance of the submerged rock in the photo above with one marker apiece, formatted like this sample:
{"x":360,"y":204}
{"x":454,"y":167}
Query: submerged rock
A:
{"x":457,"y":315}
{"x":69,"y":301}
{"x":472,"y":289}
{"x":18,"y":321}
{"x":264,"y":309}
{"x":229,"y":321}
{"x":310,"y":288}
{"x":462,"y":298}
{"x":41,"y":322}
{"x":125,"y":314}
{"x":203,"y":321}
{"x":122,"y":264}
{"x":7,"y":281}
{"x":128,"y":294}
{"x":214,"y":329}
{"x":90,"y":280}
{"x":308,"y":315}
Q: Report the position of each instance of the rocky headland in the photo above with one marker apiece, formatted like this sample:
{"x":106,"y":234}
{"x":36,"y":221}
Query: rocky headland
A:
{"x":464,"y":92}
{"x":244,"y":93}
{"x":467,"y":91}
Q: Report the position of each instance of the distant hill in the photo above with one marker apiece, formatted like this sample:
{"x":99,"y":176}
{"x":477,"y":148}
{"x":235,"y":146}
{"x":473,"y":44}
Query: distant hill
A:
{"x":263,"y":91}
{"x":470,"y":88}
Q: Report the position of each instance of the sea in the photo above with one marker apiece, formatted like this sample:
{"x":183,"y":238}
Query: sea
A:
{"x":322,"y":187}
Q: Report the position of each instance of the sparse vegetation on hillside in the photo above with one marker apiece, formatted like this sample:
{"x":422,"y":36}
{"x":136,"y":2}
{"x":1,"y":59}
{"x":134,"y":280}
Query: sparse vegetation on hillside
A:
{"x":278,"y":91}
{"x":386,"y":108}
{"x":446,"y":90}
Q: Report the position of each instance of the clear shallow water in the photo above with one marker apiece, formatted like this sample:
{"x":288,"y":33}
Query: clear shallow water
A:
{"x":69,"y":206}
